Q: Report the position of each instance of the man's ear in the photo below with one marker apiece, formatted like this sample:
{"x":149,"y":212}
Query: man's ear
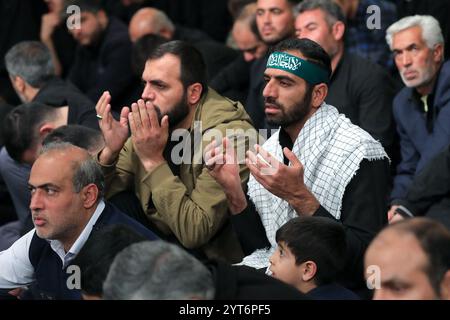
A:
{"x":19,"y":84}
{"x":194,"y":93}
{"x":309,"y":271}
{"x":338,"y":30}
{"x":445,"y":286}
{"x":90,"y":195}
{"x":45,"y":129}
{"x":102,"y":19}
{"x":319,"y":94}
{"x":166,"y":33}
{"x":438,"y":53}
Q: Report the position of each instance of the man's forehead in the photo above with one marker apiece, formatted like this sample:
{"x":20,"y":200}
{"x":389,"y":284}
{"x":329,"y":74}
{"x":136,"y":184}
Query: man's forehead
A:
{"x":267,"y":4}
{"x":408,"y":36}
{"x":168,"y":66}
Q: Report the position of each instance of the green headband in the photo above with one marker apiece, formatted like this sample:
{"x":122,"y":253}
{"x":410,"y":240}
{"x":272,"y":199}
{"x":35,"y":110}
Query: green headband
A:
{"x":308,"y":71}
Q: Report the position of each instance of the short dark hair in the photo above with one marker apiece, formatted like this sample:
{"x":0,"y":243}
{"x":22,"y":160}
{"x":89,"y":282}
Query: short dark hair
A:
{"x":80,"y":136}
{"x":434,"y":240}
{"x":93,"y":6}
{"x":142,"y":49}
{"x":317,"y":239}
{"x":193,"y":68}
{"x":312,"y":52}
{"x":332,"y":10}
{"x":98,"y":253}
{"x":21,"y":125}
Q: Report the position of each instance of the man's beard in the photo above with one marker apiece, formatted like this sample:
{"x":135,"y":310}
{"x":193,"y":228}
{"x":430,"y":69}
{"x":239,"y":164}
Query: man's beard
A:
{"x":177,"y":113}
{"x":295,"y":115}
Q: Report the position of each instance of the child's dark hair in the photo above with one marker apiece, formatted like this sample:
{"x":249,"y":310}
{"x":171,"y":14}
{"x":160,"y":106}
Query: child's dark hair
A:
{"x":316,"y":239}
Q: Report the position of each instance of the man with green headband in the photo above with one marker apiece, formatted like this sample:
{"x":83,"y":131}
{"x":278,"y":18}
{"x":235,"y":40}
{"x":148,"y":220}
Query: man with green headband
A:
{"x":317,"y":164}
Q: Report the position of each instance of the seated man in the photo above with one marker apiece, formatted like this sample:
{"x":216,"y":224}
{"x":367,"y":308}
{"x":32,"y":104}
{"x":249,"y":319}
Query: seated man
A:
{"x":413,"y":261}
{"x":32,"y":74}
{"x":103,"y":56}
{"x":429,"y":193}
{"x":310,"y":255}
{"x":422,"y":108}
{"x":66,"y":187}
{"x":177,"y":196}
{"x":159,"y":270}
{"x":365,"y":100}
{"x":24,"y":128}
{"x":80,"y":136}
{"x":317,"y":164}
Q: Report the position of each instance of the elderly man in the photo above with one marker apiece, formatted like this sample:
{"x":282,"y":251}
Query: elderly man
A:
{"x":66,"y":187}
{"x":317,"y":164}
{"x":422,"y":108}
{"x":413,"y":258}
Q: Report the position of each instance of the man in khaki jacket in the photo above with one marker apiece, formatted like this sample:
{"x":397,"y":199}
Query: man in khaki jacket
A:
{"x":162,"y":160}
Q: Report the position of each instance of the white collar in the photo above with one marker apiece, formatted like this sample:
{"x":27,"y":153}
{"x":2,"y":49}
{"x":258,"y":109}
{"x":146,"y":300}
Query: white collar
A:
{"x":58,"y":247}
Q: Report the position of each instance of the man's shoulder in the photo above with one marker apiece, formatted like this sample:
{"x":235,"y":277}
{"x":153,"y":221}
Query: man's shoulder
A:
{"x":216,"y":110}
{"x":362,"y":69}
{"x":112,"y":215}
{"x":402,"y":99}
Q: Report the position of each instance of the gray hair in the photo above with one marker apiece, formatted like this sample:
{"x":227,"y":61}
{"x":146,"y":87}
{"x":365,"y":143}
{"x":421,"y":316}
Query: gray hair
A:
{"x":333,"y":12}
{"x":431,"y":30}
{"x":30,"y":60}
{"x":86,"y":171}
{"x":157,"y":270}
{"x":162,"y":21}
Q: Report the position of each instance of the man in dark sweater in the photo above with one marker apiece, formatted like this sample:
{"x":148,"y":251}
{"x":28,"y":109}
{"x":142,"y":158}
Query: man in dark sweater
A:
{"x":66,"y":187}
{"x":103,"y":57}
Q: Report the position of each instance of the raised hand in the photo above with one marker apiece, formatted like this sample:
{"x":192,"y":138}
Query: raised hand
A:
{"x":224,"y":168}
{"x":286,"y":182}
{"x":148,"y":135}
{"x":114,"y":132}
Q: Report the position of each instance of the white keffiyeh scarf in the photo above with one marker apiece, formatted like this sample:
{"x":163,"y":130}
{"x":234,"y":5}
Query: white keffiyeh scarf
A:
{"x":331,"y":149}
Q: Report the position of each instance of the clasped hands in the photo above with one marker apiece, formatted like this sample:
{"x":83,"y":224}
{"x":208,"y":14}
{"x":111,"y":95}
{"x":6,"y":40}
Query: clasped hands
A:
{"x":148,"y":135}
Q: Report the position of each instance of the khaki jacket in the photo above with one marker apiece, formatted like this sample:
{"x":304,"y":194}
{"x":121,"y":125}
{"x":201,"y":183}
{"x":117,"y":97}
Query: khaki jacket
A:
{"x":191,"y":206}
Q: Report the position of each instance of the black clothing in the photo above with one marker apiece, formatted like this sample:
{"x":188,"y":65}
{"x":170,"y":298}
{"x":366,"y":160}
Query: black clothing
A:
{"x":106,"y":66}
{"x":245,"y":283}
{"x":255,"y":100}
{"x":233,"y":80}
{"x":190,"y":35}
{"x":65,"y":46}
{"x":429,"y":193}
{"x":58,"y":93}
{"x":20,"y":21}
{"x":216,"y":55}
{"x":364,"y":92}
